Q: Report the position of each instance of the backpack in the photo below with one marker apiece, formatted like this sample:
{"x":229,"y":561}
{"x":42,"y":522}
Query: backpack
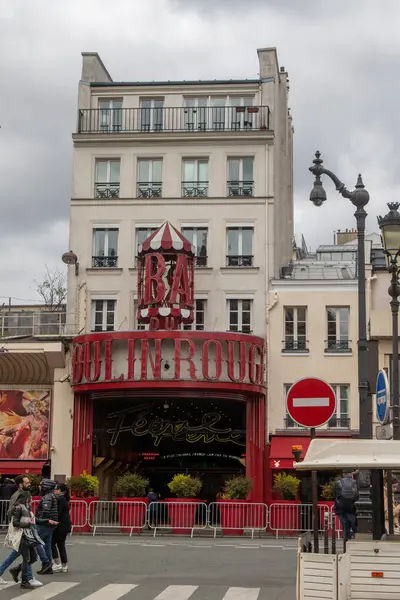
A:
{"x":348,"y":493}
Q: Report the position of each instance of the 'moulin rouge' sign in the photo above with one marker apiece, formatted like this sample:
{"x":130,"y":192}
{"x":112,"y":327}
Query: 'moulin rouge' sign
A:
{"x":117,"y":358}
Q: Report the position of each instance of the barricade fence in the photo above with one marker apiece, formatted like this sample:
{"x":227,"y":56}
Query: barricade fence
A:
{"x":233,"y":517}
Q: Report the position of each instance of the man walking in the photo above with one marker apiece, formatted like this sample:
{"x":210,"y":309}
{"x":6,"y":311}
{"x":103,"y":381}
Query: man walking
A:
{"x":346,"y":496}
{"x":47,"y":520}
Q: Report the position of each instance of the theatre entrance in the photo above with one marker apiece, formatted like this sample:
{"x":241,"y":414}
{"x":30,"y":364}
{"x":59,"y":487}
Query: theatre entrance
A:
{"x":158,"y":438}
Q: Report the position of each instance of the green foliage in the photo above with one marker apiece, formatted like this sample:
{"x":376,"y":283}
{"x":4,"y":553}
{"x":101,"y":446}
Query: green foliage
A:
{"x":35,"y":480}
{"x":83,"y":485}
{"x":185,"y":486}
{"x":286,"y":485}
{"x":131,"y":485}
{"x":237,"y":488}
{"x":328,"y":489}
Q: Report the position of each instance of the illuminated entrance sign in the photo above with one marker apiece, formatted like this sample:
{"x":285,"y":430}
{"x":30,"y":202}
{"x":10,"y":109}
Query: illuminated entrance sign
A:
{"x":117,"y":358}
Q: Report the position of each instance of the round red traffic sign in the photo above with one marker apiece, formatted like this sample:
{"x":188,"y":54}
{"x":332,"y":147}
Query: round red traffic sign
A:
{"x":311,"y":402}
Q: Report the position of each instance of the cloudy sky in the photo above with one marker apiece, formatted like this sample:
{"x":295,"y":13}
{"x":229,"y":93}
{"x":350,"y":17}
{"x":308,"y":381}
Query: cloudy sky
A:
{"x":343,"y":60}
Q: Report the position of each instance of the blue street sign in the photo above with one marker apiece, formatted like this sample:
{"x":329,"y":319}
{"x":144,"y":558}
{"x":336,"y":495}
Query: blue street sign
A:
{"x":382,"y":397}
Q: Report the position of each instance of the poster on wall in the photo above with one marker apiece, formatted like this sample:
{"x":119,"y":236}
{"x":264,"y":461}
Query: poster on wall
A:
{"x":24,"y":424}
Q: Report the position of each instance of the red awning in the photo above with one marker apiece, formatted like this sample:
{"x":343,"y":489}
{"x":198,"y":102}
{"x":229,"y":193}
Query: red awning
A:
{"x":281,"y":456}
{"x":166,"y":238}
{"x":20,"y":467}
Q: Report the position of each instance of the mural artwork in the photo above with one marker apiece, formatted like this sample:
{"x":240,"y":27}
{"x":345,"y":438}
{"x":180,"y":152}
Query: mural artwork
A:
{"x":24,"y":424}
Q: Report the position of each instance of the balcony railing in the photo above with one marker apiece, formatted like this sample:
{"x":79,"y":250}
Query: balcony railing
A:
{"x":148,"y":189}
{"x":300,"y":346}
{"x":104,"y":262}
{"x":201,"y":261}
{"x":189,"y":119}
{"x":238,"y":189}
{"x":239,"y":261}
{"x":106,"y":190}
{"x":42,"y":323}
{"x":194,"y":189}
{"x":338,"y":346}
{"x":339,"y":423}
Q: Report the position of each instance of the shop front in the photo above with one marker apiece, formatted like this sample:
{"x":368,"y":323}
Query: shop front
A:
{"x":167,"y":402}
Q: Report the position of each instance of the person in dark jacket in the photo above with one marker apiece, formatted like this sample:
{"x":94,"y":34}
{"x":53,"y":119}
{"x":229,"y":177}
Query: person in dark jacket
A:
{"x":23,"y":519}
{"x":60,"y":558}
{"x":9,"y":488}
{"x":46,"y":520}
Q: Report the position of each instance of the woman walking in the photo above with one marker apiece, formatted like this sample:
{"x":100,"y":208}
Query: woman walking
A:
{"x":60,"y":564}
{"x":23,"y":521}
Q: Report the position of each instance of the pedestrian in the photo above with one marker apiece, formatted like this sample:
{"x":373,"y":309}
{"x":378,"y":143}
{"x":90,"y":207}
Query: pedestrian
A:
{"x":46,"y":520}
{"x":9,"y":488}
{"x":346,"y":495}
{"x":60,"y":558}
{"x":23,"y":521}
{"x":153,"y":508}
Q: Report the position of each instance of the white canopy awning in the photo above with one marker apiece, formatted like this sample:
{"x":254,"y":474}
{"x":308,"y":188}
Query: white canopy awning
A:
{"x":325,"y":454}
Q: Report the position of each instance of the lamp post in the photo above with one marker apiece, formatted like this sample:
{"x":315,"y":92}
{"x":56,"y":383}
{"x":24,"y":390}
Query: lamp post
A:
{"x":390,"y":229}
{"x":359,"y":197}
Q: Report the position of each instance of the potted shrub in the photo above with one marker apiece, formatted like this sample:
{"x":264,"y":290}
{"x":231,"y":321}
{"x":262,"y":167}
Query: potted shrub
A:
{"x":35,"y":480}
{"x":185,"y":488}
{"x":82,"y":488}
{"x":328,"y":490}
{"x":283,"y":518}
{"x":131,"y":487}
{"x":235,"y":512}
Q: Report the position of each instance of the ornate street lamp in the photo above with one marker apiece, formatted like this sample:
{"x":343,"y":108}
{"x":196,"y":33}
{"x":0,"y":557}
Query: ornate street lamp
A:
{"x":359,"y":197}
{"x":390,"y":229}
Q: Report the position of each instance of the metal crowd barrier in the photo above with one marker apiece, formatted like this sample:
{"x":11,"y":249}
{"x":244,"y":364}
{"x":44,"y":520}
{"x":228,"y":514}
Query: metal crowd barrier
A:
{"x":293,"y":518}
{"x":124,"y":515}
{"x":234,"y":517}
{"x":180,"y":516}
{"x":3,"y":513}
{"x":78,"y":512}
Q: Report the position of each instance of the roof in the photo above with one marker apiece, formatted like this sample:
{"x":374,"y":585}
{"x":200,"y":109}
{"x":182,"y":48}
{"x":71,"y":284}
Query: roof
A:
{"x":167,"y":238}
{"x":349,"y":247}
{"x":324,"y":454}
{"x":322,"y":270}
{"x":193,"y":82}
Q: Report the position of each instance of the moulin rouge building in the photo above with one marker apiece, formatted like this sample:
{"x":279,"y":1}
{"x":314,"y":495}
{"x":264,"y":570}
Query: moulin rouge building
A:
{"x":181,"y":213}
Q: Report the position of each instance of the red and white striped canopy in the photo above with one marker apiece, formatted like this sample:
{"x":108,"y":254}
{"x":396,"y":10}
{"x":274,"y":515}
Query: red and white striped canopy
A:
{"x":166,"y":238}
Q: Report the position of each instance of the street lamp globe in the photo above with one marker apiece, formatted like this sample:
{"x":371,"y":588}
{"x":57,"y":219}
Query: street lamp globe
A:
{"x":318,"y":194}
{"x":390,"y":230}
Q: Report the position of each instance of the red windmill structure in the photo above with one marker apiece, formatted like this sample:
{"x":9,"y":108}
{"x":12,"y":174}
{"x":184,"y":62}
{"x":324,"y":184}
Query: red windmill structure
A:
{"x":166,"y":279}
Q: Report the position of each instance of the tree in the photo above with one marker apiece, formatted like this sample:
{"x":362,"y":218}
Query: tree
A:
{"x":53,"y":289}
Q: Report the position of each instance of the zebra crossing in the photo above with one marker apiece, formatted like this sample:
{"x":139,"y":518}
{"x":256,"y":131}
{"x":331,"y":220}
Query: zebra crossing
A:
{"x":130,"y":591}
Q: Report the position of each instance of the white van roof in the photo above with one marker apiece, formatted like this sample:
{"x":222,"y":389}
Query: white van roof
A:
{"x":325,"y":454}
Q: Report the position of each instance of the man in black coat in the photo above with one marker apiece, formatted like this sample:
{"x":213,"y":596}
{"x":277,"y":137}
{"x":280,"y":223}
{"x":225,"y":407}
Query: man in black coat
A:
{"x":47,"y":519}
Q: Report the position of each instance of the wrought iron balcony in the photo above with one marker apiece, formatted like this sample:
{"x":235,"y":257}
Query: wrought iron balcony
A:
{"x":338,"y":346}
{"x":194,"y":189}
{"x":174,"y":119}
{"x":38,"y":323}
{"x":300,"y":346}
{"x":106,"y":190}
{"x":339,"y":423}
{"x":237,"y":189}
{"x":104,"y":262}
{"x":201,"y":261}
{"x":149,"y":189}
{"x":239,"y":261}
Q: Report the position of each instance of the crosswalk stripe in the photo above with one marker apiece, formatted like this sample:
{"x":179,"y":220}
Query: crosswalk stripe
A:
{"x":4,"y":586}
{"x":177,"y":592}
{"x":113,"y":591}
{"x":236,"y":593}
{"x":48,"y":591}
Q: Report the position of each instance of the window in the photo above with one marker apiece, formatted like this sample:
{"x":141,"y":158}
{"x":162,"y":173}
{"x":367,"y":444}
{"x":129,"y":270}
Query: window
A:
{"x":199,"y":317}
{"x":220,"y":113}
{"x":240,"y":177}
{"x":338,"y":329}
{"x":240,"y":315}
{"x":295,"y":329}
{"x":196,"y":114}
{"x":195,"y":178}
{"x":149,"y":178}
{"x":139,"y":326}
{"x":110,"y":114}
{"x":105,"y":247}
{"x":198,"y":237}
{"x":103,"y":315}
{"x":289,"y":423}
{"x":242,"y":113}
{"x":107,"y":182}
{"x":142,"y":233}
{"x":341,"y":418}
{"x":239,"y":246}
{"x":151,"y":114}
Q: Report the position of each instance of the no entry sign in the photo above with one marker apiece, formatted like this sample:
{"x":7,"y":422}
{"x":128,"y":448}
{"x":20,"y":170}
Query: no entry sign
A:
{"x":311,"y":402}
